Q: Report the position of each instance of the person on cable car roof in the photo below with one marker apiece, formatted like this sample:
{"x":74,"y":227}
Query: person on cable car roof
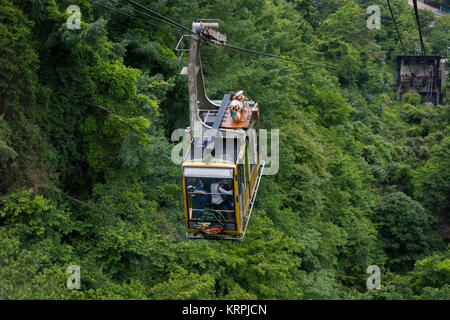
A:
{"x":237,"y":106}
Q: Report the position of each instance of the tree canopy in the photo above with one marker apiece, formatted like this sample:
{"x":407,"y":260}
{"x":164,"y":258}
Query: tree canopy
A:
{"x":86,"y":177}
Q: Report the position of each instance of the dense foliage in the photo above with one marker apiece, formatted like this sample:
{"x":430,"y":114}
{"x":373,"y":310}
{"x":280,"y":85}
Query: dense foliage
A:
{"x":86,"y":177}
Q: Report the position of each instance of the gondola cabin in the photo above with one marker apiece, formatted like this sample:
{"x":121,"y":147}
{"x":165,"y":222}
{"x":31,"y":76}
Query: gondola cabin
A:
{"x":222,"y":167}
{"x":220,"y":183}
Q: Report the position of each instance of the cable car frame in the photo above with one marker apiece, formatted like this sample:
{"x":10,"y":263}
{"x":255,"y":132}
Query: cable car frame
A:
{"x":223,"y":154}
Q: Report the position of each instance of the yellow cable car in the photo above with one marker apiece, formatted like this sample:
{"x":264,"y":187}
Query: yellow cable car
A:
{"x":222,"y":167}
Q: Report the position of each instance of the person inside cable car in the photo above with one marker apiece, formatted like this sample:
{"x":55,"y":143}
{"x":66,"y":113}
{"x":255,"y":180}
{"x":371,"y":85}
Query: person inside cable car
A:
{"x":217,"y":196}
{"x":198,"y":193}
{"x":228,"y":198}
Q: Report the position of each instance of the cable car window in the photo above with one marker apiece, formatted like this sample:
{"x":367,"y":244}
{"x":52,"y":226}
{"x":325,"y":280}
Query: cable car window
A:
{"x":247,"y":162}
{"x":253,"y":153}
{"x":211,"y":200}
{"x":241,"y":185}
{"x":241,"y":178}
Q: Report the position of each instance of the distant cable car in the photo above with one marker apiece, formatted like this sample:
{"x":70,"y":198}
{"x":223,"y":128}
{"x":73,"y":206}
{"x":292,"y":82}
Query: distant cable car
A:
{"x":423,"y":74}
{"x":222,"y":168}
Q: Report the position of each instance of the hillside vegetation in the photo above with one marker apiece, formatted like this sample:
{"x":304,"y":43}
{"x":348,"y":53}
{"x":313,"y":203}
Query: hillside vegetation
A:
{"x":86,"y":176}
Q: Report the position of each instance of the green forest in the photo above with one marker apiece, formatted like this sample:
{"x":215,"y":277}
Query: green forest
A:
{"x":86,"y":177}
